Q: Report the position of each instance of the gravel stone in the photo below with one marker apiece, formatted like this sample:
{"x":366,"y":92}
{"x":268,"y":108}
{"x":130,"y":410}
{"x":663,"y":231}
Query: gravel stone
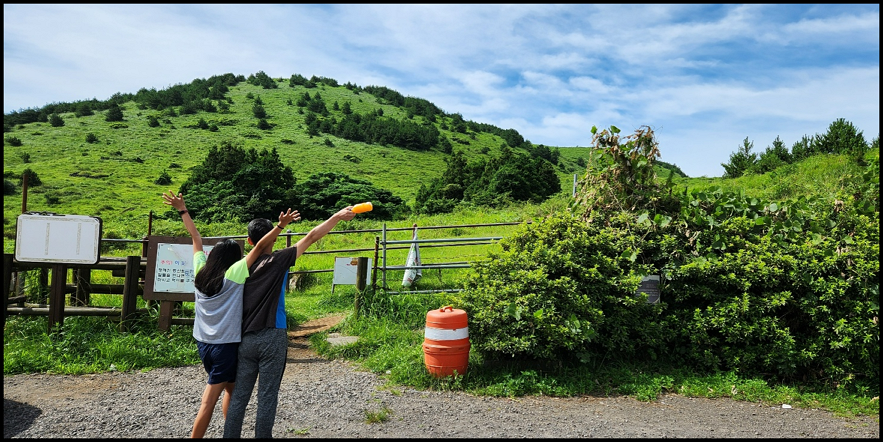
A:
{"x":332,"y":399}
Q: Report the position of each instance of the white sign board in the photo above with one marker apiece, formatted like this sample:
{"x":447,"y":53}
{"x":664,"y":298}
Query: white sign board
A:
{"x":345,"y":271}
{"x":174,"y":267}
{"x":63,"y":239}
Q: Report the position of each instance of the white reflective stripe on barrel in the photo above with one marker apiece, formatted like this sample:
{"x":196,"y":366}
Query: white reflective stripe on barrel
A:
{"x":446,"y":334}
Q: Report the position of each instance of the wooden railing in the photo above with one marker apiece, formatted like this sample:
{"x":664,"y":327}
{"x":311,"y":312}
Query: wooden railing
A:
{"x":133,"y":270}
{"x":81,"y":288}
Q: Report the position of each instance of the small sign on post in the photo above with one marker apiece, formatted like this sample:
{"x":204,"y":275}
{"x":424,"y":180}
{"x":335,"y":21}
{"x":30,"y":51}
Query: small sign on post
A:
{"x":345,"y":270}
{"x":650,"y":286}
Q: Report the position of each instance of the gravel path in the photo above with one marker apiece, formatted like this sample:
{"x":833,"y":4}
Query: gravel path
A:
{"x":331,"y":399}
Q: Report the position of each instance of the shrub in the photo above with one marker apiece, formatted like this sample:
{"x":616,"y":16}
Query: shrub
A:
{"x":557,"y":290}
{"x":12,"y":141}
{"x":25,"y":157}
{"x":782,"y":290}
{"x":52,"y":198}
{"x":164,"y":179}
{"x":114,"y":113}
{"x":152,"y":121}
{"x":33,"y":179}
{"x":8,"y":187}
{"x":91,"y":138}
{"x":55,"y":120}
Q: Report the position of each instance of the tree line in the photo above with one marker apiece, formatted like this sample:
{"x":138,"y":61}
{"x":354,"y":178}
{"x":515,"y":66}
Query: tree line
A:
{"x":842,"y":137}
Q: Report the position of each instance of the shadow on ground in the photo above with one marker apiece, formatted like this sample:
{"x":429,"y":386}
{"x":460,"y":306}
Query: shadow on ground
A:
{"x":18,"y":417}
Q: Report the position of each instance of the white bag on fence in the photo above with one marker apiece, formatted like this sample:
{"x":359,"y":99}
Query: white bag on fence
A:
{"x":412,"y":275}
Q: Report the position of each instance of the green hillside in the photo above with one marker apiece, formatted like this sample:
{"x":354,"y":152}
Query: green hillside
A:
{"x":114,"y":175}
{"x":87,"y":165}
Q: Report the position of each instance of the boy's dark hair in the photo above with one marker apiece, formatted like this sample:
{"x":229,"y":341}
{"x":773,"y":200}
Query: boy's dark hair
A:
{"x":210,"y":278}
{"x":258,"y":228}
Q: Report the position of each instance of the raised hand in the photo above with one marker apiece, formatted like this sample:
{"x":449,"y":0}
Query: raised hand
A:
{"x":288,"y":217}
{"x":176,"y":201}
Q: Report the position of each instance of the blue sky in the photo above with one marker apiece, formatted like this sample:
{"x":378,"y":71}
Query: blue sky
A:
{"x":704,"y":77}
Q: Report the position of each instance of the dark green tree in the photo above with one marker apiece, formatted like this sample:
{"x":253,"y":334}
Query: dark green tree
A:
{"x":114,"y":113}
{"x":324,"y":193}
{"x":842,"y":138}
{"x":774,"y":156}
{"x":258,"y":111}
{"x":803,"y":148}
{"x":740,"y":160}
{"x":239,"y":184}
{"x":84,"y":110}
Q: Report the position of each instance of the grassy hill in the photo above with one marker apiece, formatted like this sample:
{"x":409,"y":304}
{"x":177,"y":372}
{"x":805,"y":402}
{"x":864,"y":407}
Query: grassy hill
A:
{"x":89,"y":166}
{"x":114,"y":176}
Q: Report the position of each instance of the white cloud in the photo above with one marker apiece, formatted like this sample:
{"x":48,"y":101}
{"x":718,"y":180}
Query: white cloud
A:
{"x":704,"y":76}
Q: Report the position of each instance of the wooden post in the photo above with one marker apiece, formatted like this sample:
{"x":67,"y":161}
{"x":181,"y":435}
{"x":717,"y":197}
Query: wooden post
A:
{"x":7,"y":281}
{"x":43,"y":285}
{"x":165,"y":314}
{"x":83,"y":281}
{"x":361,"y":273}
{"x":56,"y":296}
{"x":130,"y":291}
{"x":24,"y":192}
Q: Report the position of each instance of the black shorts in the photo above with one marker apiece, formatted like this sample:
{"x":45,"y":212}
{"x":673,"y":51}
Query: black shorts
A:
{"x":219,"y":361}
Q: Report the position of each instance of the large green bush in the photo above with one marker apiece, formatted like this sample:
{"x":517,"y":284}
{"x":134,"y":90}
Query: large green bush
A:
{"x":558,"y":288}
{"x":786,"y":289}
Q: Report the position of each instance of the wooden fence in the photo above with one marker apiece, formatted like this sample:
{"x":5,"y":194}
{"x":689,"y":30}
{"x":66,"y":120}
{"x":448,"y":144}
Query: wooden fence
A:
{"x":75,"y":279}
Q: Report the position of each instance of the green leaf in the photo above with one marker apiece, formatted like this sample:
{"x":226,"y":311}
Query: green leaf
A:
{"x":629,"y":254}
{"x":514,"y":311}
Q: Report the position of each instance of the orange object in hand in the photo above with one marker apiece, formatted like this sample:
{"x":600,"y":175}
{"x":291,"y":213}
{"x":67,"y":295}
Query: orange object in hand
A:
{"x":363,"y":207}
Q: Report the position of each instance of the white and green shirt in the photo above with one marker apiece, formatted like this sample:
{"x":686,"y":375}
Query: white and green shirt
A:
{"x":219,"y":317}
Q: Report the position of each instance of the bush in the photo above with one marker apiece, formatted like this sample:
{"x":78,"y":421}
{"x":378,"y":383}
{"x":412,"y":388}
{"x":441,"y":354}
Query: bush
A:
{"x":12,"y":141}
{"x":114,"y":113}
{"x":91,"y":138}
{"x":8,"y":187}
{"x":560,"y":289}
{"x":33,"y":179}
{"x":164,"y":179}
{"x":324,"y":193}
{"x":783,"y":290}
{"x":55,"y":120}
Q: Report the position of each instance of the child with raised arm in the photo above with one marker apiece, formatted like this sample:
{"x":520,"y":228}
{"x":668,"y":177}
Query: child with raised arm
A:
{"x":217,"y":327}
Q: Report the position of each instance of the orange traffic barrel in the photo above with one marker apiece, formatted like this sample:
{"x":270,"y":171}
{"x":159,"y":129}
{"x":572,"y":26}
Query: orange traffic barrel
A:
{"x":446,"y":342}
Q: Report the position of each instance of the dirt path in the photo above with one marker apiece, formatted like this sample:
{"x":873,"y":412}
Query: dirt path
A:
{"x":335,"y":399}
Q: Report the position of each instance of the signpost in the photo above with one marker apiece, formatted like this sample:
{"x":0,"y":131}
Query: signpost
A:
{"x":59,"y":240}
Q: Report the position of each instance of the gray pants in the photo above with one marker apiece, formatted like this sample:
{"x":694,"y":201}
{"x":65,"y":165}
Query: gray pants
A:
{"x":261,"y":354}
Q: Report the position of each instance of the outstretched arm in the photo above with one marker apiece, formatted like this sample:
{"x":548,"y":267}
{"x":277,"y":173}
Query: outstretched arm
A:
{"x":177,"y":201}
{"x":321,"y":230}
{"x":265,"y":245}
